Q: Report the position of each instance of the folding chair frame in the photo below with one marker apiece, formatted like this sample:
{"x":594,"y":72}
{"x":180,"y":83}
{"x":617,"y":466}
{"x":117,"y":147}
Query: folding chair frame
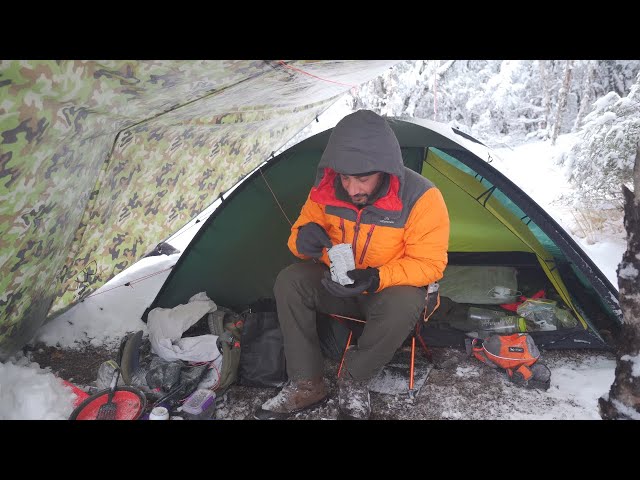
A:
{"x":416,"y":333}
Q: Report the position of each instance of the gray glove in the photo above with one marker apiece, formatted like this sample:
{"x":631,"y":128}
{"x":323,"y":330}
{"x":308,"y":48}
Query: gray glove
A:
{"x":311,"y":239}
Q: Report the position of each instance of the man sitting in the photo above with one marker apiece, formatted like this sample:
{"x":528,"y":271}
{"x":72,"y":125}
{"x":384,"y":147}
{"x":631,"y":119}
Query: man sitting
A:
{"x":398,"y":226}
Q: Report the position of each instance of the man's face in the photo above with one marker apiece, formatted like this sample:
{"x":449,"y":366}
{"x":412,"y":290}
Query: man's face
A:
{"x":359,"y":188}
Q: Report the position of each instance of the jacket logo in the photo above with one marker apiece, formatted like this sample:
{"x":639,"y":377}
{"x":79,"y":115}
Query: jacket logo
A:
{"x":386,"y":220}
{"x":516,"y":349}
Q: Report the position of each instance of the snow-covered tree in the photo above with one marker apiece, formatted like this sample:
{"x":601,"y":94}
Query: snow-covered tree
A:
{"x":497,"y":101}
{"x":546,"y":95}
{"x":603,"y":160}
{"x":563,"y":96}
{"x":587,"y":93}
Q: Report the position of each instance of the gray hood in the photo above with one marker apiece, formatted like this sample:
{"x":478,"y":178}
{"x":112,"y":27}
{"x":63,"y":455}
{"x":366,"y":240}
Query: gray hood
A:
{"x":362,"y":142}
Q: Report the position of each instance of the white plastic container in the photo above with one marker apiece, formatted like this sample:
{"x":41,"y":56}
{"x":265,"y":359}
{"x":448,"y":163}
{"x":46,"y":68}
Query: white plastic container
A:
{"x":199,"y":401}
{"x":159,"y":413}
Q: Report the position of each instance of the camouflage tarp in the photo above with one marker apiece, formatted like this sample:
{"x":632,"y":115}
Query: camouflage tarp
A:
{"x":99,"y":161}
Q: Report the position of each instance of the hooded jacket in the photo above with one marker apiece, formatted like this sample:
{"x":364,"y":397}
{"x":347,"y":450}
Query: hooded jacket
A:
{"x":405,"y":232}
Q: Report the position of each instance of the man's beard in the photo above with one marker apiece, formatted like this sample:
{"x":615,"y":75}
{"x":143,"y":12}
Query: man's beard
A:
{"x":360,"y":199}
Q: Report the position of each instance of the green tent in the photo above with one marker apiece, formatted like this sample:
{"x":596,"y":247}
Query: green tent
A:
{"x":238,"y":252}
{"x":100,"y":160}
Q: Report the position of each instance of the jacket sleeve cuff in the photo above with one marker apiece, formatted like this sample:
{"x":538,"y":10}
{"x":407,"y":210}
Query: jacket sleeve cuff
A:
{"x":383,"y":275}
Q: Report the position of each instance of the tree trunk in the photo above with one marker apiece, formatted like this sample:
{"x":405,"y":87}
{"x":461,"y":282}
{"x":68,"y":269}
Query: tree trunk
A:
{"x":442,"y":69}
{"x":563,"y":94}
{"x":585,"y":101}
{"x":615,"y":83}
{"x":546,"y":94}
{"x":623,"y":399}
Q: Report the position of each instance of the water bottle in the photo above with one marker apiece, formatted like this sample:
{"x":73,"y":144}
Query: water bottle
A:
{"x":486,"y":321}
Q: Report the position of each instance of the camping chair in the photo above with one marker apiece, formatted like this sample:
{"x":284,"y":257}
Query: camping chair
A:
{"x":432,"y":302}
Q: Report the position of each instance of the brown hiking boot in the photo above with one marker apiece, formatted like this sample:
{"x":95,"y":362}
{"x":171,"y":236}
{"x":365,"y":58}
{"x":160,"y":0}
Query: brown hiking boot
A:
{"x":354,"y":402}
{"x":295,"y":396}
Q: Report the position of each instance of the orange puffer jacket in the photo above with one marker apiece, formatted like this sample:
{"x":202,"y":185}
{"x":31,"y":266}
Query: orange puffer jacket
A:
{"x":405,"y":233}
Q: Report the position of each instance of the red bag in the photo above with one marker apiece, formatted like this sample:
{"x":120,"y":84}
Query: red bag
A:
{"x":514,"y":306}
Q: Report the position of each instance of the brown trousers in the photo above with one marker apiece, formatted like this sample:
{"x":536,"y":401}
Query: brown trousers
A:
{"x":390,"y":316}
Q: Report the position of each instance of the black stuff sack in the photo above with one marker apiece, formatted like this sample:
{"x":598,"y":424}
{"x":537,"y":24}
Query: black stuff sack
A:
{"x":262,"y":361}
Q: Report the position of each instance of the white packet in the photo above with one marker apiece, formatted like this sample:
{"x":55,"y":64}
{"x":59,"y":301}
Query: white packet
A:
{"x":341,"y":257}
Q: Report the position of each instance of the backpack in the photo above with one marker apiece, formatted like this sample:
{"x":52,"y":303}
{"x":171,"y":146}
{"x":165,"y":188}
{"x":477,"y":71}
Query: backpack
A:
{"x":517,"y":354}
{"x":227,"y":325}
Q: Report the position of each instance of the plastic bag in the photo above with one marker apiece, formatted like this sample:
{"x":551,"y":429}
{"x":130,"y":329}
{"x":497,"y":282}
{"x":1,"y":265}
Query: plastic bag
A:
{"x":544,"y":314}
{"x":106,"y":371}
{"x":539,"y":314}
{"x":565,"y":319}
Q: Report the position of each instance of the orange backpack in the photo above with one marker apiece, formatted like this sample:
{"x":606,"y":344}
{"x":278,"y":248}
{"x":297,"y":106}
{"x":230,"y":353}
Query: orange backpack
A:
{"x":517,"y":354}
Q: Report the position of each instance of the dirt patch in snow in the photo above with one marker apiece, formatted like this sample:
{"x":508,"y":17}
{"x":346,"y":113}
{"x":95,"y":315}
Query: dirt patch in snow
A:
{"x":78,"y":366}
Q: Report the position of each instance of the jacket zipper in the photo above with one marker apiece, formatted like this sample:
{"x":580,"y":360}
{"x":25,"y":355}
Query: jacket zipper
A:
{"x":366,"y":243}
{"x":356,"y":229}
{"x":344,"y":233}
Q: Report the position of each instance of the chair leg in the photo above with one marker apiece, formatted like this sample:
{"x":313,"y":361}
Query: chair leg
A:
{"x":426,"y":351}
{"x":411,"y":368}
{"x":416,"y":333}
{"x":344,"y":353}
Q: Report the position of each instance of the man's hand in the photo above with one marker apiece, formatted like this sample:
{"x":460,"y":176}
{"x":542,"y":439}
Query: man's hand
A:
{"x":365,"y":280}
{"x":369,"y":276}
{"x":311,"y":239}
